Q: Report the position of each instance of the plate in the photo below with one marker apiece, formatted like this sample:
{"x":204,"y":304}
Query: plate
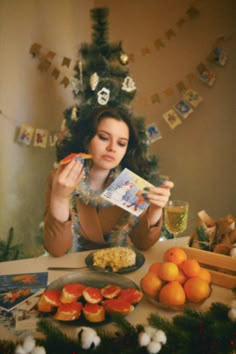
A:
{"x":140,"y":259}
{"x":187,"y":305}
{"x":92,"y":278}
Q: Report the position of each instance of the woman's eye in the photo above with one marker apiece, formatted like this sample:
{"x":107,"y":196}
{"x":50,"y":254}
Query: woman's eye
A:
{"x":122,"y":143}
{"x":102,"y":137}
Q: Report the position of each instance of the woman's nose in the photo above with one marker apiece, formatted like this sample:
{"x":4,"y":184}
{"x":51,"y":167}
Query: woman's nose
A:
{"x":111,"y":146}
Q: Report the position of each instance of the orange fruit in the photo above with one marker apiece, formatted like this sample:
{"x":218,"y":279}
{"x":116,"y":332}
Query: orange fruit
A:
{"x":196,"y":289}
{"x":172,"y":294}
{"x":190,"y":267}
{"x":181,"y":278}
{"x":204,"y":274}
{"x":151,"y":284}
{"x":175,"y":255}
{"x":168,"y":271}
{"x":154,"y":267}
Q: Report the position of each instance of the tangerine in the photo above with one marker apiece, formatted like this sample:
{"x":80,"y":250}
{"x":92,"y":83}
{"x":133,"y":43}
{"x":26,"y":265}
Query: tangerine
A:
{"x":168,"y":271}
{"x":172,"y":294}
{"x":151,"y":284}
{"x":181,"y":277}
{"x":175,"y":254}
{"x":190,"y":267}
{"x":204,"y":274}
{"x":154,"y":267}
{"x":196,"y":289}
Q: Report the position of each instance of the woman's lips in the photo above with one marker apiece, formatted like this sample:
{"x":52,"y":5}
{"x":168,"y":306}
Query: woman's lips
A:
{"x":108,"y":158}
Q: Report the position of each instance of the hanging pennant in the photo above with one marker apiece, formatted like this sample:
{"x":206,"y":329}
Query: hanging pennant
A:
{"x":35,"y":49}
{"x":155,"y":98}
{"x":55,"y":73}
{"x":170,"y":33}
{"x":159,"y":44}
{"x":65,"y":81}
{"x":66,"y":62}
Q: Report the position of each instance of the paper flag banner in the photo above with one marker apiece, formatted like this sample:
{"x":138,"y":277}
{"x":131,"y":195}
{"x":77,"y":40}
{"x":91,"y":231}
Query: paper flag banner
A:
{"x":172,"y":118}
{"x":183,"y":108}
{"x":153,"y":132}
{"x":44,"y":64}
{"x":65,"y":81}
{"x":66,"y":62}
{"x":25,"y":134}
{"x":40,"y":138}
{"x":155,"y":98}
{"x":180,"y":22}
{"x":35,"y":49}
{"x":55,"y":73}
{"x":192,"y":97}
{"x":219,"y":56}
{"x":170,"y":33}
{"x":158,"y":44}
{"x":51,"y":54}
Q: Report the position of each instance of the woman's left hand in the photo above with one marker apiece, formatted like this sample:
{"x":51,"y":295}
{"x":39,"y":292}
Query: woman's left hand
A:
{"x":158,"y":197}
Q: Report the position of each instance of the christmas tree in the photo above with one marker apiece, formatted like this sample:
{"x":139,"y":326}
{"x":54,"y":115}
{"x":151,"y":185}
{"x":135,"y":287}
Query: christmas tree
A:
{"x":102,"y":80}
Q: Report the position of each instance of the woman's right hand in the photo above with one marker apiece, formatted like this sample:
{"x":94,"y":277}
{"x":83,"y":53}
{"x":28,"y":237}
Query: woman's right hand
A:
{"x":64,"y":182}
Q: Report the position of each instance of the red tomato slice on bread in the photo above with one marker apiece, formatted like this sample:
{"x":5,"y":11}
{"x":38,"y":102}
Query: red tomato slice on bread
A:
{"x":70,"y":157}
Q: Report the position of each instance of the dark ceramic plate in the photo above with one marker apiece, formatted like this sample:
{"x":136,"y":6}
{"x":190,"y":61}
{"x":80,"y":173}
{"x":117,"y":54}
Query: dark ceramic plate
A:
{"x":140,"y":259}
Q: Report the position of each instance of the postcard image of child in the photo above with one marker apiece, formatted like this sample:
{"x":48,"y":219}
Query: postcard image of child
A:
{"x":126,"y":192}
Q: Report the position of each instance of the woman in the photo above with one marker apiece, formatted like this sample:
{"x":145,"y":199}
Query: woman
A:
{"x":77,"y":218}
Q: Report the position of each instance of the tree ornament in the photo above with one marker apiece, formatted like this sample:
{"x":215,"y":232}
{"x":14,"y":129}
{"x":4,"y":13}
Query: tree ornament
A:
{"x":232,"y":311}
{"x":76,"y":85}
{"x":124,"y":59}
{"x":87,"y":337}
{"x":74,"y":113}
{"x":94,"y":79}
{"x":128,"y":84}
{"x":103,"y":96}
{"x":29,"y":347}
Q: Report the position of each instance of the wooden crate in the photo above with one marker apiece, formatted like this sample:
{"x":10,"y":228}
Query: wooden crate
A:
{"x":221,"y":267}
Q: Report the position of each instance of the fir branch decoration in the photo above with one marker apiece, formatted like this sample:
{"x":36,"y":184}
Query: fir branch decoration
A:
{"x":195,"y":332}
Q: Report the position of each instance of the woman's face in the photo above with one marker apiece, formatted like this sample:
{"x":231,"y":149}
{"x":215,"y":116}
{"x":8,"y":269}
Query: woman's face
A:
{"x":109,"y":145}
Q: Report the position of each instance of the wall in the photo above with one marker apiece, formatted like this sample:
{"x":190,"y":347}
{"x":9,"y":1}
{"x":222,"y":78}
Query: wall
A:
{"x":28,"y":96}
{"x":198,"y":155}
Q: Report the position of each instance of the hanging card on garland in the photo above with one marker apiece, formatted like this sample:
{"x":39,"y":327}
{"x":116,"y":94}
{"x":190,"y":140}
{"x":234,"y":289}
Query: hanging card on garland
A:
{"x":153,"y":133}
{"x":192,"y":97}
{"x":172,"y":118}
{"x":40,"y":138}
{"x":183,"y":108}
{"x":25,"y":135}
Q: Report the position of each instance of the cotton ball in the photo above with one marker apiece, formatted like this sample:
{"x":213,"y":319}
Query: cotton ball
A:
{"x":28,"y":344}
{"x":150,"y":330}
{"x":86,"y":336}
{"x":232,"y":314}
{"x":38,"y":350}
{"x":96,"y":341}
{"x":154,"y":347}
{"x":143,"y":339}
{"x":19,"y":349}
{"x":159,"y":336}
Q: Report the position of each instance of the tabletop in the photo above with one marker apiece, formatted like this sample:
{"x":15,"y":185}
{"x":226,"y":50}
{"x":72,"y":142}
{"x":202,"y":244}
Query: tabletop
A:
{"x":77,"y":260}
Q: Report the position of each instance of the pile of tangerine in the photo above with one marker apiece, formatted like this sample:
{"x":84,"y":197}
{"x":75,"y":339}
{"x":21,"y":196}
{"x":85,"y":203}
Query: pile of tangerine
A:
{"x":177,"y":279}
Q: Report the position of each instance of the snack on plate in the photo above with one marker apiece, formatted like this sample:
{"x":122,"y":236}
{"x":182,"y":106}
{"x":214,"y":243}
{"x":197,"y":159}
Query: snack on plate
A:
{"x":131,"y":294}
{"x":115,"y":258}
{"x":92,"y":295}
{"x":110,"y":291}
{"x":118,"y":306}
{"x":68,"y":312}
{"x":94,"y":312}
{"x":70,"y":157}
{"x":71,"y":292}
{"x":49,"y":300}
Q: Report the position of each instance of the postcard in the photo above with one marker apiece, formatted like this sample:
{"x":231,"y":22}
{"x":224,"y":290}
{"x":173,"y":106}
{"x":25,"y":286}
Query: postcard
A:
{"x":126,"y":192}
{"x":153,"y":132}
{"x":25,"y":134}
{"x":192,"y":97}
{"x":16,"y":288}
{"x":172,"y":118}
{"x":183,"y":108}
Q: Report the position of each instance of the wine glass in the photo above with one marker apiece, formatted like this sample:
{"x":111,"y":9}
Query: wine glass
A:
{"x":176,"y":216}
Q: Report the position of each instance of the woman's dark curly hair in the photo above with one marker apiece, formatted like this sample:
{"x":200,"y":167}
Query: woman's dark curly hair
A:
{"x":86,"y":128}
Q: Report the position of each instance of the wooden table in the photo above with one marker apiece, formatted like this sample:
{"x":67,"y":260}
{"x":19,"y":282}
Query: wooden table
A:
{"x":41,"y":264}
